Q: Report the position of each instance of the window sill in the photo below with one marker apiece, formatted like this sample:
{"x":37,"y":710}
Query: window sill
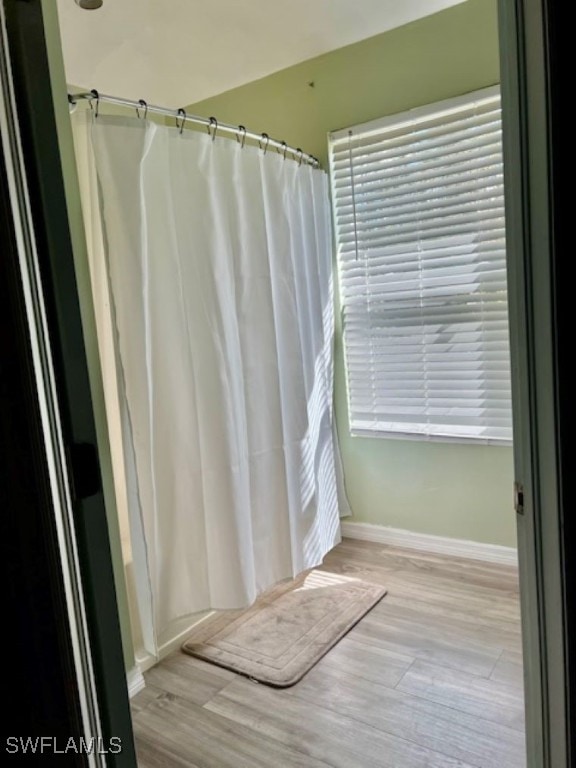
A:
{"x":381,"y":435}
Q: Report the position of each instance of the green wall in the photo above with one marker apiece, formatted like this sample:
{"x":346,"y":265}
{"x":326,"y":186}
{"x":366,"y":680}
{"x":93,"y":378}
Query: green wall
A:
{"x":456,"y":490}
{"x":68,"y":160}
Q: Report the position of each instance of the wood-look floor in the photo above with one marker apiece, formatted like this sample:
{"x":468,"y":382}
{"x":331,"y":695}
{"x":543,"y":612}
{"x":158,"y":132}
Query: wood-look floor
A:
{"x":430,"y":678}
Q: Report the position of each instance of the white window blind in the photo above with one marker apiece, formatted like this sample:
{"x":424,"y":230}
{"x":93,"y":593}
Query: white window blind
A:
{"x":419,"y":213}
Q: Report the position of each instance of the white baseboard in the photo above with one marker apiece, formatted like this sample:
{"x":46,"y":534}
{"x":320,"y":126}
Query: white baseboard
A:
{"x":146,"y":660}
{"x":490,"y":553}
{"x":135,"y":680}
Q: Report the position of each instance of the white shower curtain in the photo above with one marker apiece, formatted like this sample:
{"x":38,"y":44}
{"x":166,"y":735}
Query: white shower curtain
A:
{"x":219,"y":265}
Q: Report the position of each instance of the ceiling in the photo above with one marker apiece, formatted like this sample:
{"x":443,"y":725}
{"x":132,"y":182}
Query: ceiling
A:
{"x":177,"y":52}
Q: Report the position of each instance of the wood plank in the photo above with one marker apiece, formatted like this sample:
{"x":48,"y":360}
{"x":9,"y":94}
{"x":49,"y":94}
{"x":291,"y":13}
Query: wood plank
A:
{"x":473,"y":572}
{"x":192,"y":679}
{"x":499,"y":702}
{"x":144,"y":697}
{"x":367,"y":661}
{"x":493,"y":611}
{"x":359,"y":570}
{"x":184,"y":731}
{"x":470,"y":629}
{"x":440,"y":728}
{"x":151,"y":754}
{"x":509,"y":669}
{"x":320,"y":731}
{"x":451,"y":590}
{"x":424,"y":641}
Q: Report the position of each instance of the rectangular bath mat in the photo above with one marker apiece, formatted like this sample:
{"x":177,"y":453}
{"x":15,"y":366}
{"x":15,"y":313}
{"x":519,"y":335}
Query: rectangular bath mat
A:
{"x":287,"y":630}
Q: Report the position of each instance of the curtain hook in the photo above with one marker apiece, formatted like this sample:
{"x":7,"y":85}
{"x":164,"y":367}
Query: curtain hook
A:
{"x":96,"y":96}
{"x":241,"y":130}
{"x":144,"y":105}
{"x":182,"y":114}
{"x":213,"y":124}
{"x":265,"y":138}
{"x":284,"y":148}
{"x":300,"y":154}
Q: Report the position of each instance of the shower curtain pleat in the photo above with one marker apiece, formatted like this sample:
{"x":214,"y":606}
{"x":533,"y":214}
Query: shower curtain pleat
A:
{"x":219,"y":264}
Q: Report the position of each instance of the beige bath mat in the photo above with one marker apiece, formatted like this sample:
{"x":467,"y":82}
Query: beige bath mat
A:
{"x":287,"y":630}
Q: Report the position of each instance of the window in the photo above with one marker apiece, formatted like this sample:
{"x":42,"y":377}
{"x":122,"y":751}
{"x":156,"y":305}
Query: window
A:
{"x":419,"y":213}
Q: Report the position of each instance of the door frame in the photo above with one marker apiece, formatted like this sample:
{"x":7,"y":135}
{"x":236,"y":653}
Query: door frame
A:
{"x":531,"y":47}
{"x":32,"y":146}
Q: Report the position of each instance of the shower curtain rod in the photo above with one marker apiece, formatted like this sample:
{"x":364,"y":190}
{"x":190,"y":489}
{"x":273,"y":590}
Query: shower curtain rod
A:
{"x":210,"y":123}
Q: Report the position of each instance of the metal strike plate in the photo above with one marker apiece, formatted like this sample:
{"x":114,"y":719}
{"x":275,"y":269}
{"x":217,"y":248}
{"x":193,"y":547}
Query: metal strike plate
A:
{"x":519,"y":498}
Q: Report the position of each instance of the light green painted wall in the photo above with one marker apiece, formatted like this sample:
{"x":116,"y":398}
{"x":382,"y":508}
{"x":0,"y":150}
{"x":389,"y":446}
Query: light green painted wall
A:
{"x":58,"y":79}
{"x":457,"y":490}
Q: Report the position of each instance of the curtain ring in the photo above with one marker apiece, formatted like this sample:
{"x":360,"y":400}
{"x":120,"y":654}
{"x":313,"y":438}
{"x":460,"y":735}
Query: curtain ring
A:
{"x":96,"y":96}
{"x":213,"y":124}
{"x":241,"y":141}
{"x":265,"y":138}
{"x":144,"y":105}
{"x":300,"y":154}
{"x":182,"y":114}
{"x":284,"y":149}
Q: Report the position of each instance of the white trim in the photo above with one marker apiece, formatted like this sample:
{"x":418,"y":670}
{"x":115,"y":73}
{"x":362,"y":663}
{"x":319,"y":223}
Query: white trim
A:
{"x":382,"y":434}
{"x":474,"y":550}
{"x":418,"y":114}
{"x":146,"y":660}
{"x":135,"y":680}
